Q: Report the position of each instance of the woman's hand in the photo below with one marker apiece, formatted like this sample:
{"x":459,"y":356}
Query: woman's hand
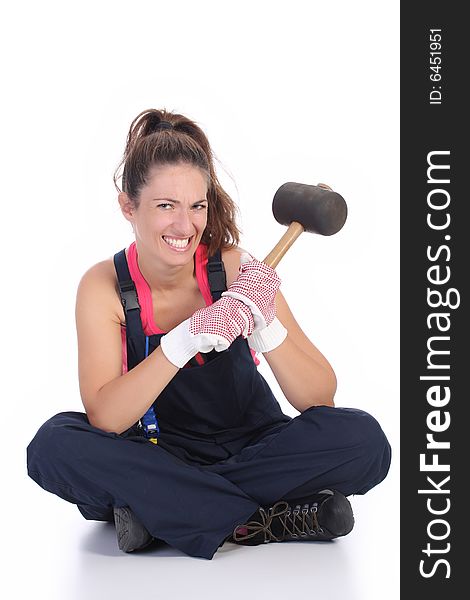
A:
{"x":221,"y":323}
{"x":214,"y":327}
{"x":256,"y":286}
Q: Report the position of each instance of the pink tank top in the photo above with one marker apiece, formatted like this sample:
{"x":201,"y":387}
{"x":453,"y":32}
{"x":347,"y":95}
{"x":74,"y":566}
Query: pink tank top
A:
{"x":145,"y":296}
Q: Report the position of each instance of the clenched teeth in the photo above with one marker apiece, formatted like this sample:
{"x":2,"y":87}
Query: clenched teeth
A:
{"x":175,"y":242}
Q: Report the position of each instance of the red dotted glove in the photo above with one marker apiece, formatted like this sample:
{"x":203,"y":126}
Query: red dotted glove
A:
{"x":227,"y":318}
{"x":213,"y":327}
{"x":256,"y":286}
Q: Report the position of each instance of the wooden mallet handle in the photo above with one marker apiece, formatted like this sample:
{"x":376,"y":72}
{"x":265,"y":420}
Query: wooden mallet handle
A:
{"x":283,"y":245}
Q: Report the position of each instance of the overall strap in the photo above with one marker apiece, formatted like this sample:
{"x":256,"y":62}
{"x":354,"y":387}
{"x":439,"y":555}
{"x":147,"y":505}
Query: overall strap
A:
{"x":134,"y":332}
{"x":216,"y":275}
{"x":136,"y":340}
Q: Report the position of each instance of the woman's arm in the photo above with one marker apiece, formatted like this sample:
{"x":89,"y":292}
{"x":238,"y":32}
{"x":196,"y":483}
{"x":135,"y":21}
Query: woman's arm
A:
{"x":113,"y":402}
{"x":303,"y":373}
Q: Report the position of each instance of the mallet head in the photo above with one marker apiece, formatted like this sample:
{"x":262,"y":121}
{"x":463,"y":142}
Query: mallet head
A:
{"x":318,"y":210}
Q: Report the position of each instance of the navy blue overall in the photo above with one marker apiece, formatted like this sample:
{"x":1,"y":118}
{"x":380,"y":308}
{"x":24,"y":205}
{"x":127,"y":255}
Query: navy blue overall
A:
{"x":224,"y":446}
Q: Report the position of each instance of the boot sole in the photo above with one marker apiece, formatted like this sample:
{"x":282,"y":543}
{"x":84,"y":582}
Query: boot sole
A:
{"x":131,"y":534}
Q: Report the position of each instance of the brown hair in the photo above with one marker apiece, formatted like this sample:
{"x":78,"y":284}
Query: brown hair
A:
{"x":148,"y":146}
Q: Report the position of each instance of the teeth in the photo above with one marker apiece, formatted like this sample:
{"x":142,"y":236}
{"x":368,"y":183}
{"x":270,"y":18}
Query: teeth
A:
{"x":176,"y":243}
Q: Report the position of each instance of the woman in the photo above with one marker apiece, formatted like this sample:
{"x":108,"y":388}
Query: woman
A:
{"x":182,"y":439}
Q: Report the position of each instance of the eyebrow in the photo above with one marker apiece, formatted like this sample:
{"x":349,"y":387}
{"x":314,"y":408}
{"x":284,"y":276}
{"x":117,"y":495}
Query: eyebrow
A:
{"x":176,"y":201}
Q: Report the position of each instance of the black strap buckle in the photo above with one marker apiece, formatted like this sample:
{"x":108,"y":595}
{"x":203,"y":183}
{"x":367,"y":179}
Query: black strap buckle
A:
{"x":129,"y":296}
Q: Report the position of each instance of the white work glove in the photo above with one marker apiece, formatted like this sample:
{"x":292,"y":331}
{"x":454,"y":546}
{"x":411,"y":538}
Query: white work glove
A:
{"x":213,"y":327}
{"x":256,"y":286}
{"x":265,"y":340}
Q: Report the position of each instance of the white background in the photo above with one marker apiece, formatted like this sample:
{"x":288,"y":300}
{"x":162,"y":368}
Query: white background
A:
{"x":303,"y":91}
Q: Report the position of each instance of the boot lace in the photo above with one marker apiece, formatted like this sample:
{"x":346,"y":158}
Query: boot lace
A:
{"x":300,"y":522}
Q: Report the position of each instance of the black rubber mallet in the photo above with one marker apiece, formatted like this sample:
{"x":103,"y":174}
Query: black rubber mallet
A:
{"x":313,"y":208}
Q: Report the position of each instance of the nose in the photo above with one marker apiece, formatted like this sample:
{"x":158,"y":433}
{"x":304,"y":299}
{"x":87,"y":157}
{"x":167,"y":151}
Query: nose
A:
{"x":183,"y":222}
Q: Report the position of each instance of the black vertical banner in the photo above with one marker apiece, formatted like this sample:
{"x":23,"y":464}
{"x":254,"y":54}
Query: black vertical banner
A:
{"x":435,"y":257}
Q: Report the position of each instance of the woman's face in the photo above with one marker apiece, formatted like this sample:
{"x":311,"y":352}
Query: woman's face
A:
{"x":172,"y":214}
